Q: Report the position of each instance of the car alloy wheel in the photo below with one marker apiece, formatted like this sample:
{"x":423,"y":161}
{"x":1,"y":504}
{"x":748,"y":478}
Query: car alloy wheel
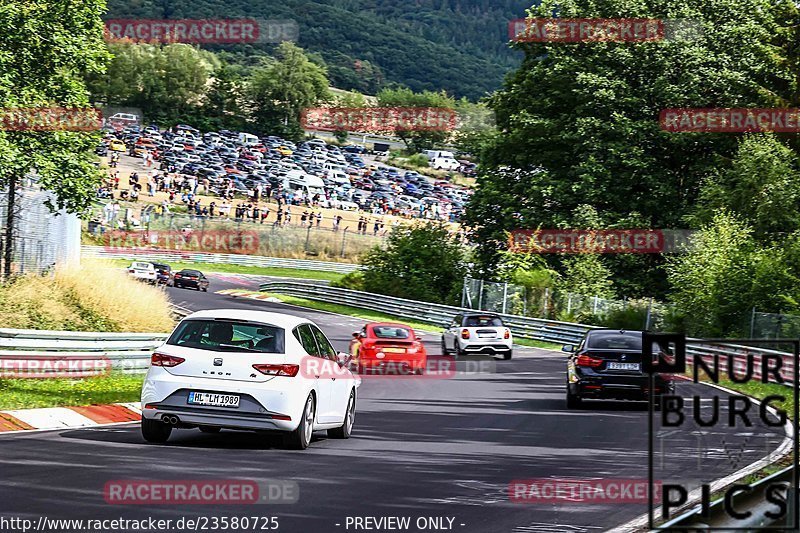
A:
{"x":308,"y":421}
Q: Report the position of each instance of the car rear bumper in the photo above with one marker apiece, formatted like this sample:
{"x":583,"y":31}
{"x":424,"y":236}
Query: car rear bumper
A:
{"x":487,"y":348}
{"x":188,"y":283}
{"x":262,"y":406}
{"x":627,"y":388}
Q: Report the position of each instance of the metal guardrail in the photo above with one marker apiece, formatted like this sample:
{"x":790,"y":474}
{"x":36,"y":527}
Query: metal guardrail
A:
{"x":211,"y":258}
{"x":429,"y":313}
{"x":33,"y":351}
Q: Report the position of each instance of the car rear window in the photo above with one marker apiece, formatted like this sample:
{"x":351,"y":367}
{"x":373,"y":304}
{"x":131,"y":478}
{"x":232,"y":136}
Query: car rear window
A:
{"x":390,"y":332}
{"x":145,"y":266}
{"x":615,"y":341}
{"x":190,"y":272}
{"x":229,"y":336}
{"x":482,"y":321}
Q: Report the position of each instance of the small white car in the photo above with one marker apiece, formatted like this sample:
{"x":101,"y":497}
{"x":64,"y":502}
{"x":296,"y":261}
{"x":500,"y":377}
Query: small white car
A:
{"x":477,"y":334}
{"x":143,"y":271}
{"x":248,"y":370}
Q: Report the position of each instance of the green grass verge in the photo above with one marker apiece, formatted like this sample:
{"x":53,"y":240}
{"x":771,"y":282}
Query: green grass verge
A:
{"x":239,"y":269}
{"x":537,"y":344}
{"x":55,"y":392}
{"x":356,"y":312}
{"x":760,"y":391}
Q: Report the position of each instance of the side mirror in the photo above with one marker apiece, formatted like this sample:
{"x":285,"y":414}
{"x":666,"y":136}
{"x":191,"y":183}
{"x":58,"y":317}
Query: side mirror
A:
{"x":569,"y":348}
{"x":356,"y":334}
{"x":343,"y":359}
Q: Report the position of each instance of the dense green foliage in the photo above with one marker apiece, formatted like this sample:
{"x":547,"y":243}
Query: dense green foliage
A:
{"x":46,"y":48}
{"x":420,"y":262}
{"x":456,"y":45}
{"x":579,"y":130}
{"x":728,"y":272}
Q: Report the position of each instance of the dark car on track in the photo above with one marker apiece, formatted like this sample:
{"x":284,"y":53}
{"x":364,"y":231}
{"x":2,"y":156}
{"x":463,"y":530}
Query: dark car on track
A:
{"x":607,"y":364}
{"x":163,"y":274}
{"x":192,"y":279}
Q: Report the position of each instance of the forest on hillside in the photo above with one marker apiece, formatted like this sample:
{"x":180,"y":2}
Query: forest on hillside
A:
{"x":460,"y":46}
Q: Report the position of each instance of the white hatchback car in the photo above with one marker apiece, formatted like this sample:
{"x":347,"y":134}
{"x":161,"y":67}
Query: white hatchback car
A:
{"x":249,"y":370}
{"x":477,"y":333}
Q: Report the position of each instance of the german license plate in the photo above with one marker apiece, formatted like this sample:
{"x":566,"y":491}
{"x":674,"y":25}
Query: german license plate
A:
{"x":623,"y":366}
{"x":214,"y":399}
{"x":394,"y":350}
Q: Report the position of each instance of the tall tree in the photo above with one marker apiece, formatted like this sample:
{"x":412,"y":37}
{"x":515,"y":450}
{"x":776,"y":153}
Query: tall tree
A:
{"x":46,"y":49}
{"x":580,"y":121}
{"x":164,"y":81}
{"x":281,"y":88}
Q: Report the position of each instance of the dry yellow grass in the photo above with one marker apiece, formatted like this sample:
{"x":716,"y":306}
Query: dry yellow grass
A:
{"x":90,"y":298}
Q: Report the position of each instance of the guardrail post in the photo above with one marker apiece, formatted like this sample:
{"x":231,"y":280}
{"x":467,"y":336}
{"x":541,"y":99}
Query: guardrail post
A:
{"x":480,"y":297}
{"x":752,"y":322}
{"x":505,"y":296}
{"x":308,"y":238}
{"x":344,"y":239}
{"x":594,"y":305}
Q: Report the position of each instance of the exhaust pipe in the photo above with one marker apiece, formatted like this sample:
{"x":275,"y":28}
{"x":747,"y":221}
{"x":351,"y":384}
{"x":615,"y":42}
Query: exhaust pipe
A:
{"x":170,"y":419}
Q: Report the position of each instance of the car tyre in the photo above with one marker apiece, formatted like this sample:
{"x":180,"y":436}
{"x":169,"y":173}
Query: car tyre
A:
{"x":444,"y":346}
{"x":205,"y":289}
{"x":573,"y":400}
{"x":155,"y":431}
{"x":508,"y":355}
{"x":458,"y":351}
{"x":346,"y":429}
{"x":300,"y":438}
{"x":210,"y":429}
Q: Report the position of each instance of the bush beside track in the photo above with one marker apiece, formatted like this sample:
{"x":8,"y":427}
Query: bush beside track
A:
{"x":89,"y":298}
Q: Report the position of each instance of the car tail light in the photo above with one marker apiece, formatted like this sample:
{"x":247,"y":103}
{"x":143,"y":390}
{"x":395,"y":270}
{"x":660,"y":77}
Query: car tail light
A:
{"x":465,"y":334}
{"x":160,"y":359}
{"x":177,"y":275}
{"x":586,"y":360}
{"x":131,"y":271}
{"x":507,"y":334}
{"x":277,"y":370}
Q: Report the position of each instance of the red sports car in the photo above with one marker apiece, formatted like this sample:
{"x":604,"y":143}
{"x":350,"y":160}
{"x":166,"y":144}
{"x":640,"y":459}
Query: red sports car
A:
{"x":386,"y":347}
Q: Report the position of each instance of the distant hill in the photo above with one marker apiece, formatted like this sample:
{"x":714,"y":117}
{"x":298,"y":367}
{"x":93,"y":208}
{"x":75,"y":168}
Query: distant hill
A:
{"x":456,"y":45}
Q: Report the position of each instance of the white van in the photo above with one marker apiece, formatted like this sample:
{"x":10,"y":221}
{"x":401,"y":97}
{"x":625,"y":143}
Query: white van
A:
{"x":298,"y":180}
{"x":248,"y":139}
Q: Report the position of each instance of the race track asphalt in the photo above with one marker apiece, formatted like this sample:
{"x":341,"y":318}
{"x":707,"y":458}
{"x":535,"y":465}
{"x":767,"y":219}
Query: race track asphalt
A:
{"x":421,"y":448}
